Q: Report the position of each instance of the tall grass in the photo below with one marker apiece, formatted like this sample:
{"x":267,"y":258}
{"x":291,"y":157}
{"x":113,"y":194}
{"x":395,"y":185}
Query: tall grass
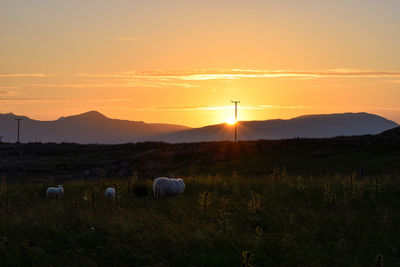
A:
{"x":280,"y":220}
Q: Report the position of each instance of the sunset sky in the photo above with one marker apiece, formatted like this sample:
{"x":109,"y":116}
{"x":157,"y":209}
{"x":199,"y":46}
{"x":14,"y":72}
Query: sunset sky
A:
{"x":184,"y":61}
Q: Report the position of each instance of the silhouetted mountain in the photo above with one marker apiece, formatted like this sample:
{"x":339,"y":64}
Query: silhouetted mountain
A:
{"x":89,"y":127}
{"x":94,"y":127}
{"x":310,"y":126}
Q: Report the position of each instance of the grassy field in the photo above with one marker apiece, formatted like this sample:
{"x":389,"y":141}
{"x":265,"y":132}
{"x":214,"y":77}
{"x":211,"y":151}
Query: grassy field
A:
{"x":276,"y":220}
{"x":377,"y":155}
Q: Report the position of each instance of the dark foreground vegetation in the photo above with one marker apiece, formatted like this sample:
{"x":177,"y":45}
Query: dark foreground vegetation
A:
{"x":375,"y":155}
{"x":300,"y":202}
{"x":279,"y":220}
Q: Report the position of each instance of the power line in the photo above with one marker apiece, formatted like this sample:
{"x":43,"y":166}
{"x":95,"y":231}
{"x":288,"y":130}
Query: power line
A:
{"x":18,"y":119}
{"x":236,"y":123}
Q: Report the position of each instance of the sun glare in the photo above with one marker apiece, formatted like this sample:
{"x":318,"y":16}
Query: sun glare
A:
{"x":231,"y":121}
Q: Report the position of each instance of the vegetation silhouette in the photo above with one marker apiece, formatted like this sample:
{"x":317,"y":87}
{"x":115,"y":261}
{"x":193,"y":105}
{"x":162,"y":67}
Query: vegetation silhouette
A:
{"x":329,"y":202}
{"x":277,"y":220}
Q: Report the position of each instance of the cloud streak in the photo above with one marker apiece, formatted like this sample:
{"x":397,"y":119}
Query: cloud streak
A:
{"x":5,"y":92}
{"x":193,"y":78}
{"x":8,"y":91}
{"x":117,"y":84}
{"x":24,"y":75}
{"x":233,"y":74}
{"x":61,"y":100}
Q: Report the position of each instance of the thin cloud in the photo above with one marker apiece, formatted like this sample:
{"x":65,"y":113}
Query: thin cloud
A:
{"x":79,"y":85}
{"x":9,"y":87}
{"x":118,"y":84}
{"x":24,"y":75}
{"x":232,"y":74}
{"x":61,"y":100}
{"x":5,"y":92}
{"x":8,"y":91}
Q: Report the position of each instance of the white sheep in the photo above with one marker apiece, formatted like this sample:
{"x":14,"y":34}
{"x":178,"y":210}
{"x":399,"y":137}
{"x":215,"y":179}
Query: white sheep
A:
{"x":164,"y":186}
{"x":110,"y":193}
{"x":55,"y":192}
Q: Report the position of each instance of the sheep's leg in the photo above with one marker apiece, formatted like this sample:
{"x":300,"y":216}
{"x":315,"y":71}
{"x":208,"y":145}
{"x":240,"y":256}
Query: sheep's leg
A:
{"x":157,"y":193}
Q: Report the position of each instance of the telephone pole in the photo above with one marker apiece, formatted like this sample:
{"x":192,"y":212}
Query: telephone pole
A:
{"x":18,"y":120}
{"x":236,"y":123}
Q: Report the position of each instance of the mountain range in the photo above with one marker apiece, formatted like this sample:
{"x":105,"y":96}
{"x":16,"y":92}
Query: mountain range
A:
{"x":94,"y":127}
{"x":89,"y":127}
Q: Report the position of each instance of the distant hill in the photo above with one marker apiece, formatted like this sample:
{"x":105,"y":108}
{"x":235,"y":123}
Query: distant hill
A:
{"x":94,"y":127}
{"x":310,"y":126}
{"x":89,"y":127}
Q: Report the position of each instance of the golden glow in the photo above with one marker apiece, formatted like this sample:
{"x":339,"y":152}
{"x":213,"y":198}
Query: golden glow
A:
{"x":231,"y":121}
{"x":181,"y":63}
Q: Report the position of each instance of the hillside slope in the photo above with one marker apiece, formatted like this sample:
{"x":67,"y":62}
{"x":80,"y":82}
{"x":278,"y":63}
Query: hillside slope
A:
{"x":378,"y":154}
{"x":89,"y":127}
{"x":310,"y":126}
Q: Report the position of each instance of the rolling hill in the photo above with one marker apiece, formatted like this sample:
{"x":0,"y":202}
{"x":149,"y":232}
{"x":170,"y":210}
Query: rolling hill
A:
{"x":309,"y":126}
{"x":89,"y":127}
{"x":94,"y":127}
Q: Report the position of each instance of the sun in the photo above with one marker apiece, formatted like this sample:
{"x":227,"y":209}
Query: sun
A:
{"x":231,"y":121}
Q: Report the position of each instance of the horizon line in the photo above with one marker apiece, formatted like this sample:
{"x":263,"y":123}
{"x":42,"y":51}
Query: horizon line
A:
{"x":178,"y":124}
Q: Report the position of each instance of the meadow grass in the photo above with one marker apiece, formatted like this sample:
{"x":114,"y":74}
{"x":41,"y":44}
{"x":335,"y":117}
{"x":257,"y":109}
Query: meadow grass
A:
{"x":279,"y":220}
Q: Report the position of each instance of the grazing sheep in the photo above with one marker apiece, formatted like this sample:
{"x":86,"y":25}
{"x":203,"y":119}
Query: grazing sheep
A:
{"x":164,"y":186}
{"x":55,"y":192}
{"x":110,"y":193}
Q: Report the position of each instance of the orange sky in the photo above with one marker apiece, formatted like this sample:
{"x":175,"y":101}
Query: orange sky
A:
{"x":183,"y":61}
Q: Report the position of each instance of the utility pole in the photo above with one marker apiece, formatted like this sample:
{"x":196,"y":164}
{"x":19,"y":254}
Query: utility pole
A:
{"x":236,"y":102}
{"x":18,"y":119}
